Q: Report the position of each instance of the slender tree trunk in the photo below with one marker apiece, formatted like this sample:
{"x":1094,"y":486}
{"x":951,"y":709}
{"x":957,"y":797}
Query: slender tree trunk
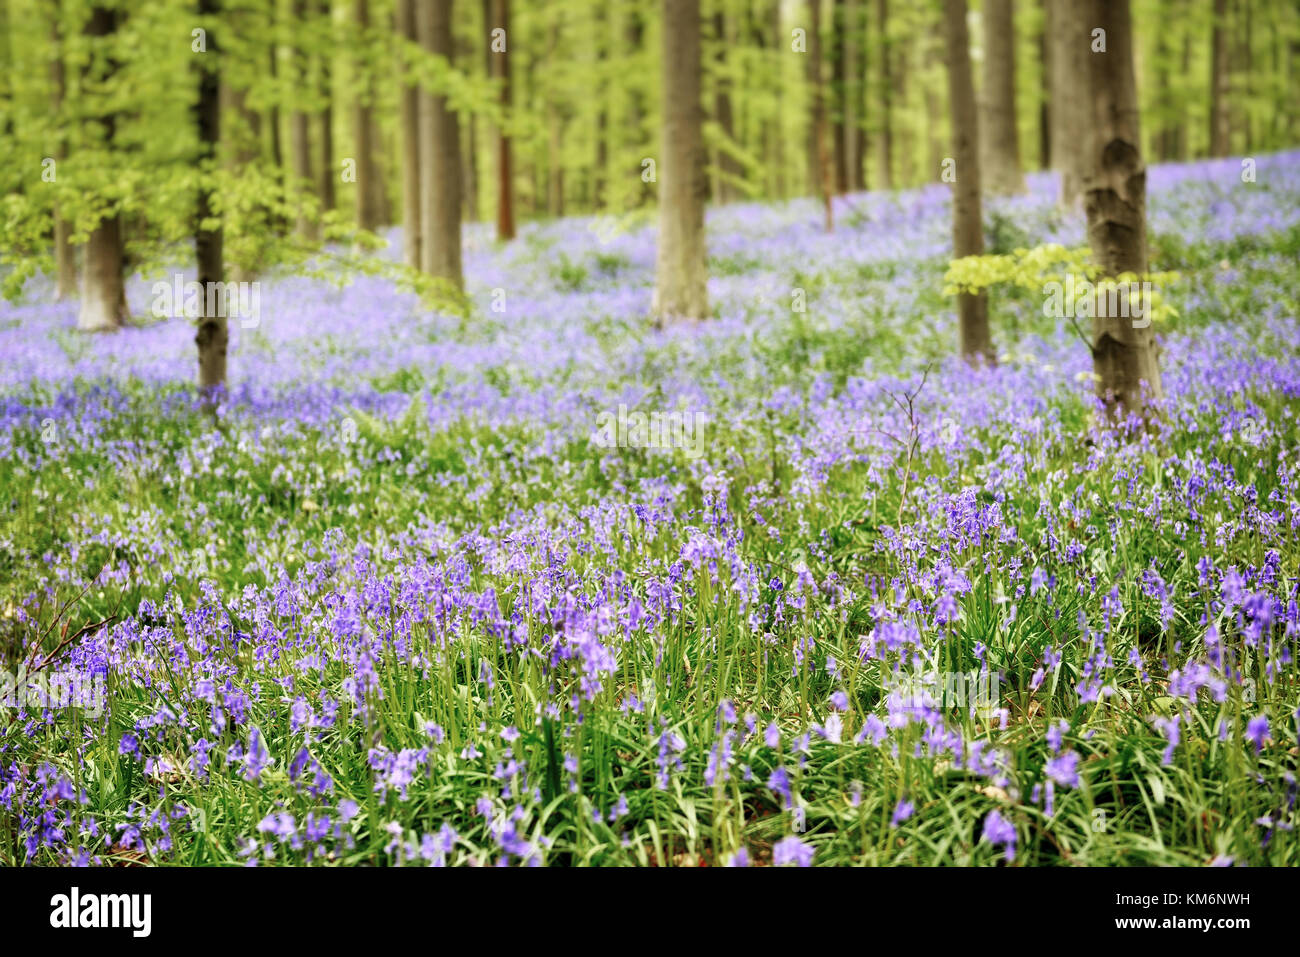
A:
{"x":725,"y":164}
{"x":554,"y":125}
{"x":836,"y":97}
{"x":600,"y":164}
{"x":328,"y":172}
{"x":1068,"y":63}
{"x":823,"y":175}
{"x":967,"y":223}
{"x":999,"y":138}
{"x":852,"y":95}
{"x":1219,"y":80}
{"x":273,"y":65}
{"x":469,"y":171}
{"x":409,"y":116}
{"x":776,"y":144}
{"x":440,"y":187}
{"x":103,"y":293}
{"x":886,"y":97}
{"x":1181,"y":139}
{"x":212,"y":333}
{"x":1045,"y":105}
{"x":364,"y":124}
{"x":379,"y":201}
{"x":300,"y":130}
{"x":933,"y":106}
{"x":1124,"y":351}
{"x":65,"y":260}
{"x":681,"y":270}
{"x":505,"y":182}
{"x":243,"y":139}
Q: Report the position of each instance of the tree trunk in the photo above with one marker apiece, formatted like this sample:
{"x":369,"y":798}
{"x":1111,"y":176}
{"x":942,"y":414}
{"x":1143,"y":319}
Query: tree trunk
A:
{"x":554,"y":125}
{"x":724,"y":164}
{"x":836,"y":96}
{"x":65,"y":261}
{"x":852,"y":95}
{"x":300,"y":130}
{"x":1045,"y":105}
{"x":505,"y":183}
{"x":212,"y":334}
{"x":440,"y":185}
{"x":469,"y":171}
{"x":967,"y":223}
{"x":409,"y":110}
{"x":934,"y":57}
{"x":273,"y":61}
{"x":1219,"y":80}
{"x":1068,"y":64}
{"x":886,"y":98}
{"x":999,"y":138}
{"x":1123,"y":351}
{"x":243,"y":147}
{"x":820,"y":157}
{"x":364,"y":124}
{"x":103,"y":293}
{"x":776,"y":141}
{"x":681,"y":289}
{"x":328,"y":172}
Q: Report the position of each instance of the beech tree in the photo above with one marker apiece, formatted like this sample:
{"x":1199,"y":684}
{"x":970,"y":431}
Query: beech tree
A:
{"x":1067,"y":64}
{"x":681,"y":271}
{"x":1124,"y":354}
{"x":369,"y":183}
{"x":103,"y":293}
{"x":440,"y":180}
{"x":999,"y":139}
{"x":967,"y":225}
{"x":819,"y":157}
{"x":300,"y":125}
{"x":501,"y":71}
{"x":1219,"y":80}
{"x":65,"y":262}
{"x":212,"y":334}
{"x":409,"y":121}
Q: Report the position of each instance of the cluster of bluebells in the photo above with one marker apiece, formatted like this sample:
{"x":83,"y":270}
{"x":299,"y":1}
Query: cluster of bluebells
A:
{"x":429,"y":687}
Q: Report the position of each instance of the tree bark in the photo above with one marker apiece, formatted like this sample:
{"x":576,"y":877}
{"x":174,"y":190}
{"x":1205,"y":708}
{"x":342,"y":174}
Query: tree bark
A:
{"x":328,"y":171}
{"x":1068,"y":64}
{"x":103,"y":293}
{"x":212,"y":333}
{"x":505,"y":182}
{"x":1219,"y":80}
{"x":823,"y":184}
{"x":681,"y":289}
{"x":1045,"y":105}
{"x":967,"y":223}
{"x":852,"y":95}
{"x":886,"y":98}
{"x":440,"y":185}
{"x":1123,"y":351}
{"x":554,"y":125}
{"x":364,"y":124}
{"x":409,"y":116}
{"x":65,"y":261}
{"x":300,"y":131}
{"x":725,"y":165}
{"x":999,"y":138}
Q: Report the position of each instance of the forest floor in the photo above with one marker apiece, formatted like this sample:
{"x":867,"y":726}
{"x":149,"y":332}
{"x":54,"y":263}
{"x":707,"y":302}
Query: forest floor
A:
{"x":854,"y":602}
